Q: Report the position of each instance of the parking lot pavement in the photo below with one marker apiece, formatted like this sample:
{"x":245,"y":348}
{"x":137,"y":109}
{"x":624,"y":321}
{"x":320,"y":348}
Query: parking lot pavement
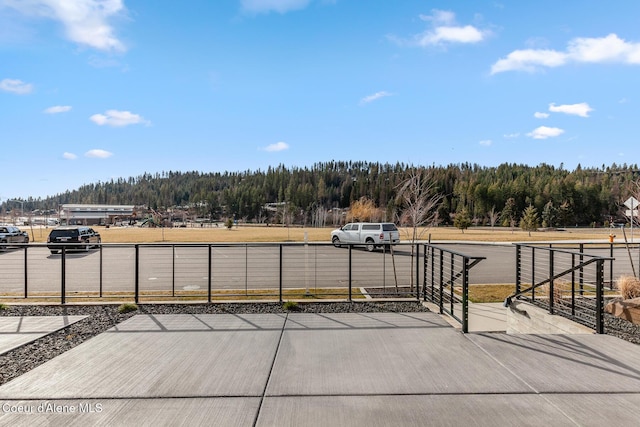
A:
{"x":19,"y":330}
{"x":326,"y":369}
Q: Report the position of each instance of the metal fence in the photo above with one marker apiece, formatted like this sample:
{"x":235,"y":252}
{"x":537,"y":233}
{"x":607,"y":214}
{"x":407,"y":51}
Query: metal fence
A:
{"x":446,"y":281}
{"x":563,"y":281}
{"x":199,"y":271}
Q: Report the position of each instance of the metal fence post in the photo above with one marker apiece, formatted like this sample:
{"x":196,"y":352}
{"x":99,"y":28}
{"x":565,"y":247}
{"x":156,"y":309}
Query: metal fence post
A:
{"x":451,"y":281}
{"x":246,"y":269}
{"x":26,"y":281}
{"x":465,"y":295}
{"x":599,"y":297}
{"x":418,"y":272}
{"x":101,"y":268}
{"x":280,"y":274}
{"x":425,"y":270}
{"x":518,"y":268}
{"x":533,"y":273}
{"x":573,"y":281}
{"x":581,"y":273}
{"x":350,"y":271}
{"x":209,"y":269}
{"x":611,"y":266}
{"x":551,"y":282}
{"x":441,"y":284}
{"x":173,"y":270}
{"x":433,"y":272}
{"x":63,"y":284}
{"x":137,"y":274}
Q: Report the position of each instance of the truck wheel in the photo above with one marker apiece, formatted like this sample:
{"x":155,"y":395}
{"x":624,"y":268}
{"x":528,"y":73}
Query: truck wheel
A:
{"x":369,"y":245}
{"x":335,"y":241}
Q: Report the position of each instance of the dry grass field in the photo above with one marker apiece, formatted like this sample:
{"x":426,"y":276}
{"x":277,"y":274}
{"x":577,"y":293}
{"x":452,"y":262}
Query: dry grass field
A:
{"x":247,"y":233}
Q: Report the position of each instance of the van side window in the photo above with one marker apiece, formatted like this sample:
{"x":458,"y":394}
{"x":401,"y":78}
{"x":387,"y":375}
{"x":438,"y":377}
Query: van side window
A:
{"x":371,"y":227}
{"x":355,"y":227}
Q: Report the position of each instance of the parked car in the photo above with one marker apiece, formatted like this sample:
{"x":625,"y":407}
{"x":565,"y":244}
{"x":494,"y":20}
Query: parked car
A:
{"x":74,"y":237}
{"x":370,"y":234}
{"x":10,"y":234}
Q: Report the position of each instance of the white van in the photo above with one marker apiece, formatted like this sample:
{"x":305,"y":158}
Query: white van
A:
{"x":369,"y":234}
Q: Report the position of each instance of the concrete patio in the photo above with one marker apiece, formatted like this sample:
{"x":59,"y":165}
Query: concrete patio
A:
{"x":382,"y":369}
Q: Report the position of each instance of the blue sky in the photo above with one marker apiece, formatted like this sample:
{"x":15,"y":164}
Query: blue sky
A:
{"x":94,"y":90}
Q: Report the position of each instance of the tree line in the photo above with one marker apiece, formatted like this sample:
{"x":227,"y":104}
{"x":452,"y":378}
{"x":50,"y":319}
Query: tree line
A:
{"x":321,"y":193}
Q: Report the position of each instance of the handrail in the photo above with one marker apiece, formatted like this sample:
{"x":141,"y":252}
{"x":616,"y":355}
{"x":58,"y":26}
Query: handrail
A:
{"x":508,"y":299}
{"x":437,"y":293}
{"x":578,"y":302}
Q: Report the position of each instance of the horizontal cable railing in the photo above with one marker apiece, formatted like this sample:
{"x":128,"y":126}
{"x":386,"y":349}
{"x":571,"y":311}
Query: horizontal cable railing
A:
{"x":446,"y":281}
{"x":209,"y":271}
{"x":562,"y":281}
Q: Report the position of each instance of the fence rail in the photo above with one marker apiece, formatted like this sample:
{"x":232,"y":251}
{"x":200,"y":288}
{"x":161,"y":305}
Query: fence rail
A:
{"x":446,"y":281}
{"x":562,"y":281}
{"x":209,"y":271}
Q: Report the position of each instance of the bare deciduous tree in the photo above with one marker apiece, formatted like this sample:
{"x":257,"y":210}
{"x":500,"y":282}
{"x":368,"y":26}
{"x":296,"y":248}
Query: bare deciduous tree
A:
{"x":493,"y":216}
{"x":418,"y":201}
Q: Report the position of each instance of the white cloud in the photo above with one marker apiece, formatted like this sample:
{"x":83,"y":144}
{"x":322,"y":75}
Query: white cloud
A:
{"x":57,"y":109}
{"x":117,"y":118}
{"x":544,"y":132}
{"x":16,"y":86}
{"x":605,"y":49}
{"x":582,"y":109}
{"x":266,"y":6}
{"x":97,"y":153}
{"x":445,"y":31}
{"x":86,"y":22}
{"x":486,"y":142}
{"x":611,"y":49}
{"x":69,"y":156}
{"x":278,"y":146}
{"x":511,"y":135}
{"x":529,"y":60}
{"x":442,"y":35}
{"x":539,"y":115}
{"x":375,"y":96}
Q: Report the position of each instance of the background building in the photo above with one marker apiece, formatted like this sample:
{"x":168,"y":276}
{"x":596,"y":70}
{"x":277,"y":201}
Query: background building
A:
{"x":96,"y":214}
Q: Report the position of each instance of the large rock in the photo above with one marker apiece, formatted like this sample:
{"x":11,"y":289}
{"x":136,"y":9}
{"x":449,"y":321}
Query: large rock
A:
{"x":625,"y":309}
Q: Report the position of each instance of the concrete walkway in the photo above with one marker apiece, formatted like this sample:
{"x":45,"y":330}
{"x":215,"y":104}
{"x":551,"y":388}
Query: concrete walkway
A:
{"x":17,"y":331}
{"x":298,"y":369}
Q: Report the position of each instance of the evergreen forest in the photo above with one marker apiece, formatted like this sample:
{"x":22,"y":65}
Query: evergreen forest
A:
{"x":312,"y":195}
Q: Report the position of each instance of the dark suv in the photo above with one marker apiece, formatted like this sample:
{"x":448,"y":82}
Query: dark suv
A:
{"x":11,"y":234}
{"x":72,"y":237}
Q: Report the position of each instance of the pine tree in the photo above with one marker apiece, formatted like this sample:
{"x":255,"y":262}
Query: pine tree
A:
{"x":530,"y":221}
{"x":462,"y":219}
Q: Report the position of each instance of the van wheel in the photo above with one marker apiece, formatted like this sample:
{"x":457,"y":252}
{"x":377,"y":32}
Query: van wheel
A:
{"x":335,"y":241}
{"x":369,"y":245}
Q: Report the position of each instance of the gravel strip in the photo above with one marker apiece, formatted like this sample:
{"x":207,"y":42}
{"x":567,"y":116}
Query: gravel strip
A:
{"x":103,"y":317}
{"x":621,"y":328}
